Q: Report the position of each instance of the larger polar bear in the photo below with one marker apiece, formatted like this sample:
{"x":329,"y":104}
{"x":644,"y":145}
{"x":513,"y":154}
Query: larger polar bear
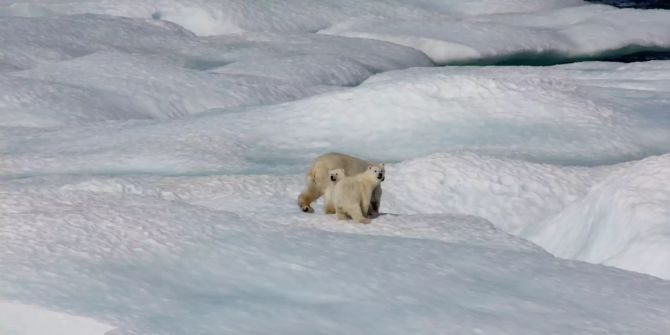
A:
{"x":317,"y":181}
{"x":351,"y":196}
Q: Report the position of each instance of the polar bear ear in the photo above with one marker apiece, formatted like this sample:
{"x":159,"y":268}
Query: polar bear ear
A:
{"x":370,"y":167}
{"x":382,"y":164}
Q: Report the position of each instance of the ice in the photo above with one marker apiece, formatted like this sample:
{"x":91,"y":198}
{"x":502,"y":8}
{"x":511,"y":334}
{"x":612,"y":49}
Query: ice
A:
{"x":138,"y":69}
{"x":150,"y":260}
{"x":151,"y":153}
{"x":212,"y":17}
{"x":623,"y":221}
{"x":592,"y":113}
{"x":19,"y":319}
{"x":511,"y":194}
{"x":545,"y":37}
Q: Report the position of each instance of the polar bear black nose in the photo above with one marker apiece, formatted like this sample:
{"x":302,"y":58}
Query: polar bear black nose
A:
{"x":380,"y":176}
{"x":305,"y":209}
{"x":332,"y":178}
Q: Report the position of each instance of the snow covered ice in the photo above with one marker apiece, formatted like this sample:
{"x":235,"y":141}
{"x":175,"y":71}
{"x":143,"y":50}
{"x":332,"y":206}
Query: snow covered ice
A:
{"x":151,"y":154}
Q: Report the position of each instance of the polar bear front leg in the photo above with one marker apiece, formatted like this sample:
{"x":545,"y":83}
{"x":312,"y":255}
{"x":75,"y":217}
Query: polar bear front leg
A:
{"x":340,"y":213}
{"x":357,"y":215}
{"x":375,"y":202}
{"x":328,"y":206}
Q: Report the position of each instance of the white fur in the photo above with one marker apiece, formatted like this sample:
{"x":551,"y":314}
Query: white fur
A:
{"x":317,"y":180}
{"x":351,"y":196}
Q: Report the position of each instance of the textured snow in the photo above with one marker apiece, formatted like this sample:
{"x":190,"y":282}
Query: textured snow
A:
{"x":623,"y":221}
{"x":214,"y":17}
{"x":151,"y":153}
{"x":145,"y":69}
{"x":20,"y":319}
{"x":150,"y":260}
{"x":547,"y":36}
{"x":591,"y":113}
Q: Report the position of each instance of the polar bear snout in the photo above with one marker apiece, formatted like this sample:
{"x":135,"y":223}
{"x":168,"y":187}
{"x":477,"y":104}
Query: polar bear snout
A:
{"x":332,"y":178}
{"x":380,"y":176}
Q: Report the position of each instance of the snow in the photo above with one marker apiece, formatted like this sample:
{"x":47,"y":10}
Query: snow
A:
{"x":561,"y":115}
{"x":622,"y":221}
{"x":555,"y":35}
{"x":151,"y":154}
{"x":152,"y":262}
{"x":214,"y":17}
{"x":19,"y":319}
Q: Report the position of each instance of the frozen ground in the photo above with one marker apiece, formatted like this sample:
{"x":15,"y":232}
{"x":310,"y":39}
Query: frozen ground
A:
{"x":151,"y":153}
{"x":32,"y":320}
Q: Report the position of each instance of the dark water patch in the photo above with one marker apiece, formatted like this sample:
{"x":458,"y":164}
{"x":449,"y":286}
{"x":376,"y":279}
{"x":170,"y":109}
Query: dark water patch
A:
{"x":628,"y":54}
{"x":204,"y":64}
{"x":642,"y":56}
{"x":639,"y":4}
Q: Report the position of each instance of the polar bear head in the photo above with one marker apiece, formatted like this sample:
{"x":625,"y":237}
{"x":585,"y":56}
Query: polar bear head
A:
{"x":378,"y":171}
{"x":336,"y":174}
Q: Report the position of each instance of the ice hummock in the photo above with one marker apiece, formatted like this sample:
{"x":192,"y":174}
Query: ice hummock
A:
{"x":151,"y":153}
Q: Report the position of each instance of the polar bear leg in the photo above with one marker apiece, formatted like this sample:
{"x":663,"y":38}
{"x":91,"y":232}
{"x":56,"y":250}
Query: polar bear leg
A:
{"x":328,"y":206}
{"x":356,"y":214}
{"x":375,"y":202}
{"x":308,"y":195}
{"x":340,"y":213}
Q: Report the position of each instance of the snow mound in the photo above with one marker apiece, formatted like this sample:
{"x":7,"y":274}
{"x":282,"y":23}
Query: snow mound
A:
{"x":511,"y":194}
{"x":153,"y":265}
{"x":544,"y":37}
{"x":20,"y":319}
{"x":623,"y":221}
{"x":158,"y":89}
{"x":85,"y":68}
{"x":30,"y":42}
{"x":591,"y":113}
{"x":214,"y":17}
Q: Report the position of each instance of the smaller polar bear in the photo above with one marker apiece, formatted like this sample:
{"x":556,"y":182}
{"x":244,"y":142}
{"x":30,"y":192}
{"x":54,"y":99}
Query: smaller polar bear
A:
{"x":334,"y":175}
{"x":351,"y":196}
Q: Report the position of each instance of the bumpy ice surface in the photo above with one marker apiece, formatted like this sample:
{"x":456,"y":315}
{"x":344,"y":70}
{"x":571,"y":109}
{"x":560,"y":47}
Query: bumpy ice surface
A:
{"x":151,"y":153}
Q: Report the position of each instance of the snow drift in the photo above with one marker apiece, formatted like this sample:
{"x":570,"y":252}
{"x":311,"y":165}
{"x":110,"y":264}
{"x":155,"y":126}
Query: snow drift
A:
{"x":150,"y":260}
{"x":591,"y":113}
{"x":20,"y":319}
{"x":623,"y":221}
{"x":542,"y":38}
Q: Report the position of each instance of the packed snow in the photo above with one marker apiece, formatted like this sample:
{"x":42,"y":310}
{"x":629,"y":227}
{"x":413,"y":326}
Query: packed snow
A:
{"x":555,"y":35}
{"x":623,"y":221}
{"x":151,"y":154}
{"x":31,"y":320}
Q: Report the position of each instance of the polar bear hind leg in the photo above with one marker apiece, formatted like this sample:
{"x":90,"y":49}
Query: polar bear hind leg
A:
{"x":308,"y":195}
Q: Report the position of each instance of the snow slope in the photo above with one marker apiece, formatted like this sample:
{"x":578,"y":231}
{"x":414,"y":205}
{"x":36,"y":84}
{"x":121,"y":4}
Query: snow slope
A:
{"x":591,"y":113}
{"x":623,"y":221}
{"x":138,"y":69}
{"x":151,"y":262}
{"x":212,"y":17}
{"x":151,"y":153}
{"x":544,"y":37}
{"x":19,"y":319}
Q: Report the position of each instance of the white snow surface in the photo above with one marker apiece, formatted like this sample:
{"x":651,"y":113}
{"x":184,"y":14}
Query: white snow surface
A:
{"x":623,"y":221}
{"x":155,"y":260}
{"x":554,"y":34}
{"x":20,"y":319}
{"x":151,"y":154}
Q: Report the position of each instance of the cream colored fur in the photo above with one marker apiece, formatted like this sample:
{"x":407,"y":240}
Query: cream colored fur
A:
{"x":317,"y":180}
{"x":351,"y":196}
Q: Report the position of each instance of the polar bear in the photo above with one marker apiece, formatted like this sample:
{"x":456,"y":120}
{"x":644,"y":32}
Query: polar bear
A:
{"x":351,"y":196}
{"x":334,"y":176}
{"x":317,"y":180}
